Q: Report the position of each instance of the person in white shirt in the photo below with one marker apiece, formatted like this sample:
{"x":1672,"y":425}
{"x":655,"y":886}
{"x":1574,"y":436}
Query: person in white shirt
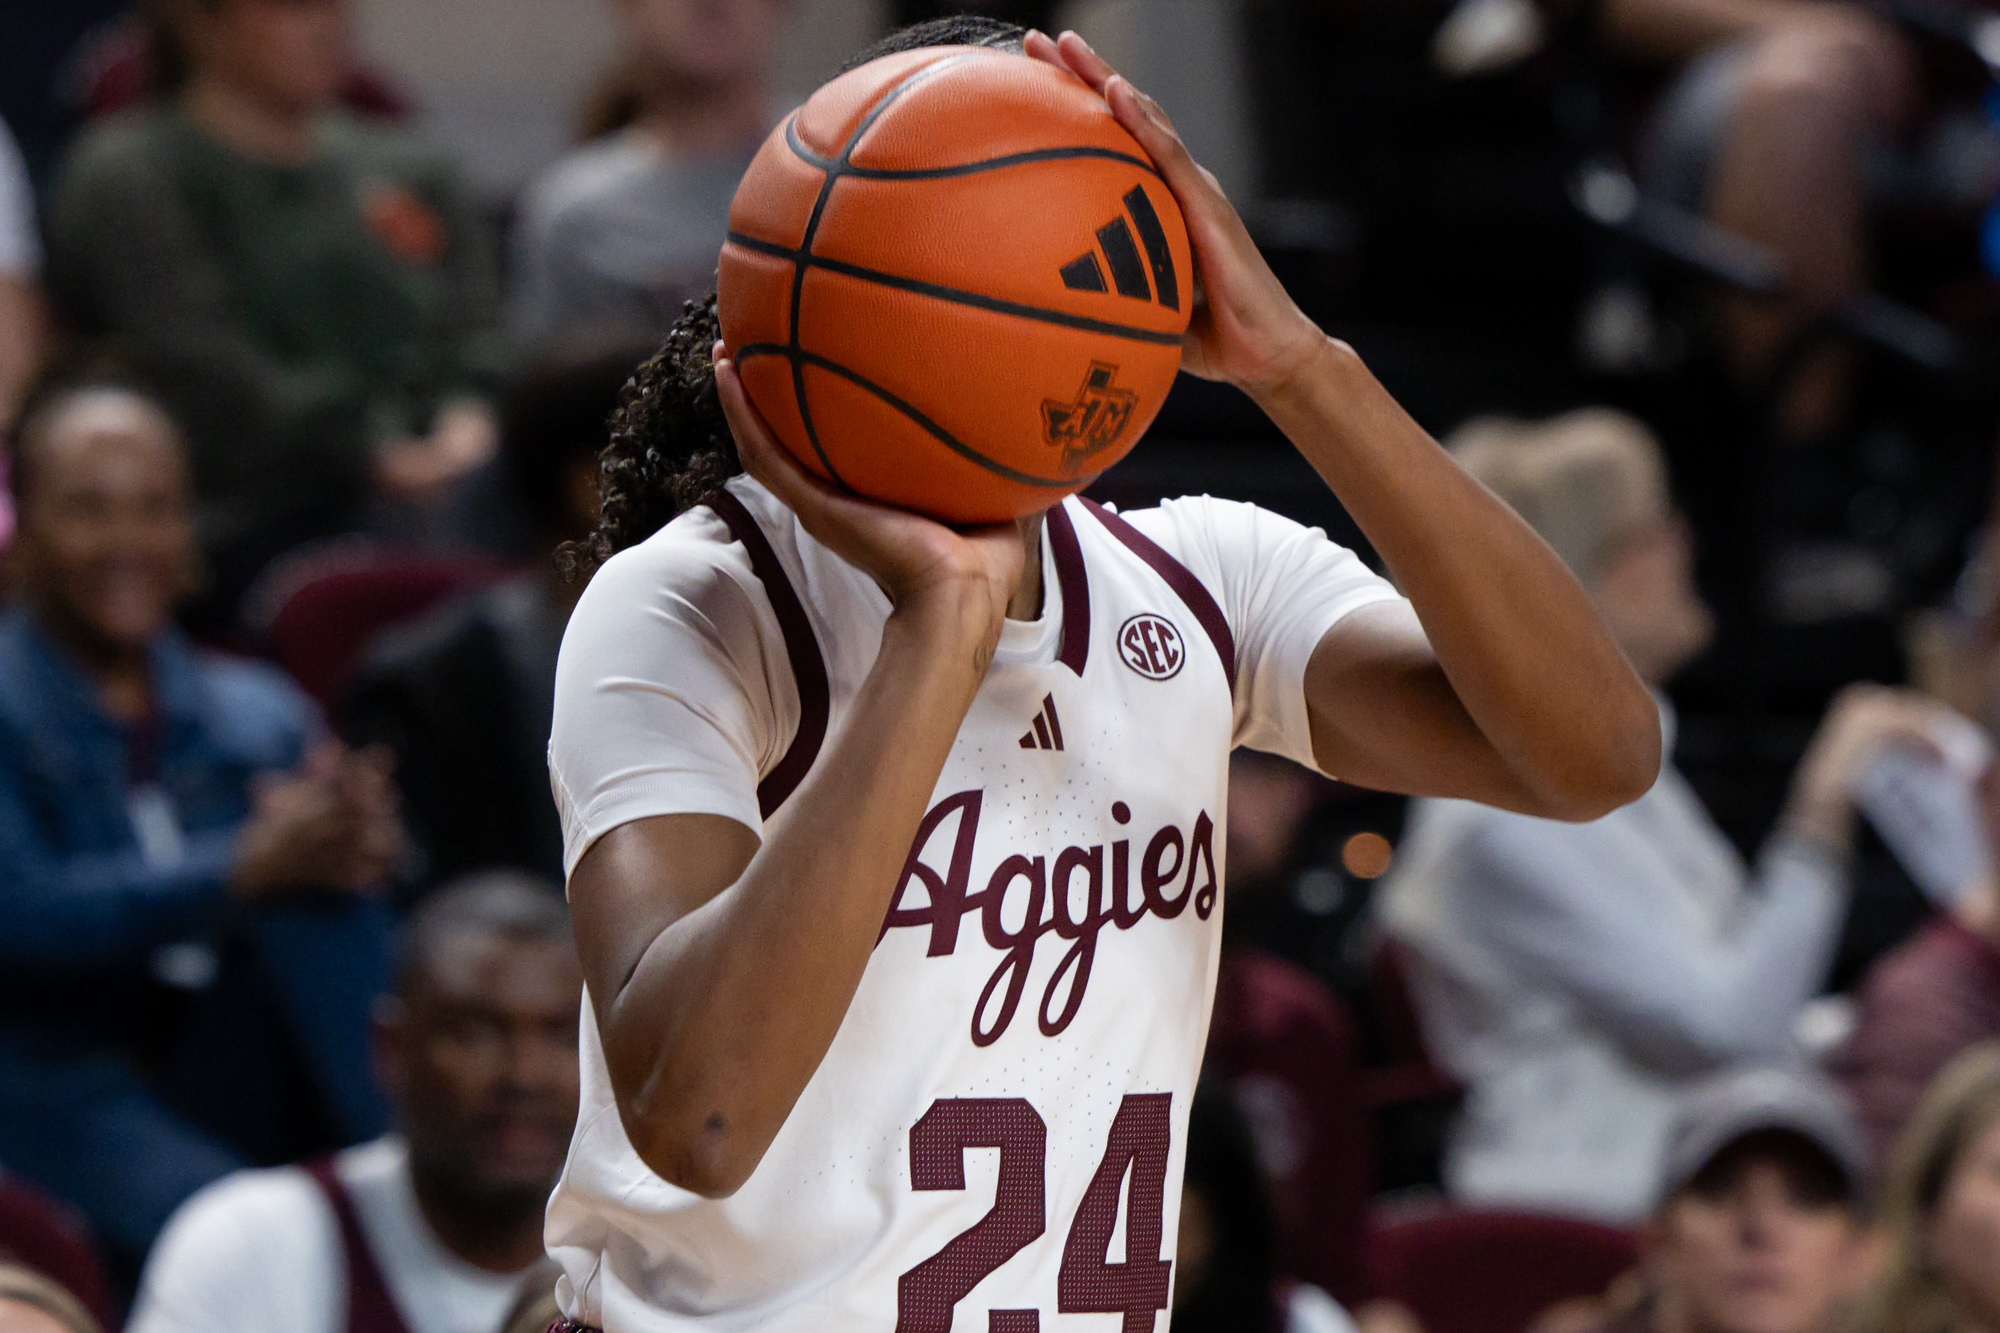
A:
{"x":1576,"y":977}
{"x":436,"y":1229}
{"x":892,"y":845}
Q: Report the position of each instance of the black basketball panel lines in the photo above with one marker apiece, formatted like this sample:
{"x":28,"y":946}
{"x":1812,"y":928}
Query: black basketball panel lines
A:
{"x":1121,"y":253}
{"x":1154,"y":237}
{"x":1082,"y":274}
{"x":1128,"y":271}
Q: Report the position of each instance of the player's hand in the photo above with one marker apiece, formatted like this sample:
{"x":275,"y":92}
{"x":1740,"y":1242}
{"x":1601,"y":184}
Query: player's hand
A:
{"x":918,"y":562}
{"x":1246,"y":329}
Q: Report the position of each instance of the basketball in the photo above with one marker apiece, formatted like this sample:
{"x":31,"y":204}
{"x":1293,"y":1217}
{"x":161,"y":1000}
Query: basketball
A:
{"x":955,"y":284}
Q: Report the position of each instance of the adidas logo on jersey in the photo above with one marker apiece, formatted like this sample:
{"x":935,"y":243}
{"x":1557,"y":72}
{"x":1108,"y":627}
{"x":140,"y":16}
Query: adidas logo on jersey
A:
{"x":1121,"y":255}
{"x":1046,"y":734}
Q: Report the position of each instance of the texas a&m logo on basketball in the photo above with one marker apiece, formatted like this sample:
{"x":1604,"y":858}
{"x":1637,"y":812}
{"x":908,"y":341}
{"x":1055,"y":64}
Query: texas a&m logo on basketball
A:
{"x":1151,"y":646}
{"x":1091,"y":424}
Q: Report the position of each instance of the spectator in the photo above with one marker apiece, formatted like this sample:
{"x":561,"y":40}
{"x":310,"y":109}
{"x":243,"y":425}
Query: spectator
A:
{"x":1287,"y":1047}
{"x":161,"y":806}
{"x":1941,"y":1209}
{"x":617,"y":235}
{"x":463,"y":696}
{"x":435,"y":1230}
{"x":1766,"y":130}
{"x":1924,"y":1002}
{"x":315,"y":290}
{"x":30,"y":1303}
{"x":20,"y":299}
{"x":1574,"y":977}
{"x":1761,"y":1225}
{"x":1225,"y":1255}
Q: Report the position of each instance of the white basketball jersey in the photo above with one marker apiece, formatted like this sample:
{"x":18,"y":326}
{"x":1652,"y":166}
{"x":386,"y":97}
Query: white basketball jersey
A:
{"x":994,"y":1140}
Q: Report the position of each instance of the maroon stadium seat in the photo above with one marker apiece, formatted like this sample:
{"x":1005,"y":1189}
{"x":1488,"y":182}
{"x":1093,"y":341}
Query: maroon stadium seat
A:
{"x":48,"y":1236}
{"x":1474,"y":1271}
{"x":1289,"y":1050}
{"x":1408,"y":1073}
{"x":327,"y":613}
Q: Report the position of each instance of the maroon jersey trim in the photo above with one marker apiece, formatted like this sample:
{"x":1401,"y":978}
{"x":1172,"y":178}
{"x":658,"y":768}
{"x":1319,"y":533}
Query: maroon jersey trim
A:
{"x":1075,"y":585}
{"x":808,"y":667}
{"x":1185,"y":585}
{"x":369,"y":1306}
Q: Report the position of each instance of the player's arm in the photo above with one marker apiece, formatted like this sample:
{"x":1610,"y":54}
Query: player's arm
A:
{"x":1498,"y":682}
{"x":720,"y":969}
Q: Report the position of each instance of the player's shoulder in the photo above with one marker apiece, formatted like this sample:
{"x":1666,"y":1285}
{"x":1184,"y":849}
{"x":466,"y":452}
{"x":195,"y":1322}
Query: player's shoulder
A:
{"x":693,"y":551}
{"x":1196,"y":518}
{"x":697,"y":574}
{"x":1212,"y":535}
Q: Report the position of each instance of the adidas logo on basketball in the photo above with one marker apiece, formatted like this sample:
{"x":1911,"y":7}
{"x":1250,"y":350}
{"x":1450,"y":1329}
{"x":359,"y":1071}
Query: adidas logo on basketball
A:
{"x":1121,"y":255}
{"x":1046,"y":734}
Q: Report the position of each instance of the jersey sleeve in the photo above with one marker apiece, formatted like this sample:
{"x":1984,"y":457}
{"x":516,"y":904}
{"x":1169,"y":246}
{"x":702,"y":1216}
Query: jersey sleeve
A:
{"x":1281,"y":587}
{"x":672,"y":690}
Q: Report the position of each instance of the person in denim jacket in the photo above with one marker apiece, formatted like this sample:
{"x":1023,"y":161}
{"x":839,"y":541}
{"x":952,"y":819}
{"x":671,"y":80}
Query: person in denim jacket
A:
{"x":190,"y":942}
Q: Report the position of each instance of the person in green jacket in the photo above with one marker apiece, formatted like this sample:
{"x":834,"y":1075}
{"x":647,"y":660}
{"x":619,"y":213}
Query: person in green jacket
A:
{"x":314,"y":294}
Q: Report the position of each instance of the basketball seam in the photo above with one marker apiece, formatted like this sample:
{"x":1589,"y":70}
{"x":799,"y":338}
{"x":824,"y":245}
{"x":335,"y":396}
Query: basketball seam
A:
{"x":956,"y":295}
{"x":833,"y":172}
{"x":801,"y":358}
{"x":979,"y":168}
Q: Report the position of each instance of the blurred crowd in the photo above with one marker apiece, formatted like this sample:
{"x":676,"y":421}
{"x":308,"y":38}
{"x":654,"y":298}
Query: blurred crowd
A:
{"x":299,"y":420}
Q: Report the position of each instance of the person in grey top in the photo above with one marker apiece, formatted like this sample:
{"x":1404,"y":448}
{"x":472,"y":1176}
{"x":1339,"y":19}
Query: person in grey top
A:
{"x":1576,"y":977}
{"x":615,"y":236}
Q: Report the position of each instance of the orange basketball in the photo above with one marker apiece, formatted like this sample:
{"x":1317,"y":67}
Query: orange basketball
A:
{"x":955,"y":284}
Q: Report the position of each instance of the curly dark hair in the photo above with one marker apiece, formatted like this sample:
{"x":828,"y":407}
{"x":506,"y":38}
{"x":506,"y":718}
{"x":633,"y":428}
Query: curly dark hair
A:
{"x":670,"y":444}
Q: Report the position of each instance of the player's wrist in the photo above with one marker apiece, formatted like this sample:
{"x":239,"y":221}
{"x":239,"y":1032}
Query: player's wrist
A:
{"x":947,"y":615}
{"x":1303,"y":370}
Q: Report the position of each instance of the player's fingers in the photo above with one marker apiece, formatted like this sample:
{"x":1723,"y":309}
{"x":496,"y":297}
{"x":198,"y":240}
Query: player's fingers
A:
{"x":1083,"y":61}
{"x":1145,"y":121}
{"x":830,"y":514}
{"x":1040,"y":46}
{"x":761,"y":454}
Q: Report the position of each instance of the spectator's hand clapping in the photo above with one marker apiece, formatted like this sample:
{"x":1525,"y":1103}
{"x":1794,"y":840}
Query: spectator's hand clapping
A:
{"x":331,"y":823}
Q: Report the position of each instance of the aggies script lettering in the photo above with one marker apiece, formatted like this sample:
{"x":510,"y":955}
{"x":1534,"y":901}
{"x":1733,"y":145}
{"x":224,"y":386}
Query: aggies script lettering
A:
{"x":1046,"y":905}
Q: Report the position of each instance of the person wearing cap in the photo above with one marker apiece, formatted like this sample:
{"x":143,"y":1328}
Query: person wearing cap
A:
{"x":1576,"y":978}
{"x":1760,"y":1225}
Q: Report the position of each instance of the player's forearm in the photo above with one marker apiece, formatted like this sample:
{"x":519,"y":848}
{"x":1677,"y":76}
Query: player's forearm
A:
{"x":733,"y":1007}
{"x":1514,"y":634}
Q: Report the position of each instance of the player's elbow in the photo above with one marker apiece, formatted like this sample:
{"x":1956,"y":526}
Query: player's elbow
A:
{"x":1614,"y":761}
{"x":697,"y":1153}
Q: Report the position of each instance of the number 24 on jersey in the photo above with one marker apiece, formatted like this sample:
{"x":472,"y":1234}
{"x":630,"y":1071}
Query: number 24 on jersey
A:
{"x":1087,"y":1282}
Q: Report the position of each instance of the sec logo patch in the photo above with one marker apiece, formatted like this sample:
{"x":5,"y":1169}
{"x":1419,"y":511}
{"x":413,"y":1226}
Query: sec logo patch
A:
{"x":1151,"y":646}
